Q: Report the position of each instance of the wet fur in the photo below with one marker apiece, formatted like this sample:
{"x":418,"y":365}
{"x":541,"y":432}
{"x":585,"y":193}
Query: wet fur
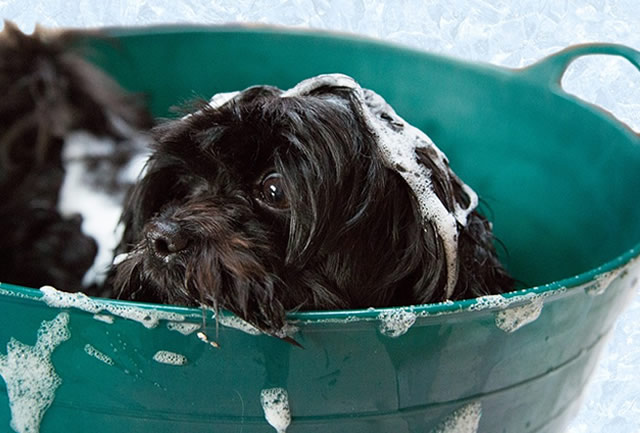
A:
{"x":353,"y":236}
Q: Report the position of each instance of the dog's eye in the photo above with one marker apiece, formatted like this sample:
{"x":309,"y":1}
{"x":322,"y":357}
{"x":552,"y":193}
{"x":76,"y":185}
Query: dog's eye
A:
{"x":272,"y":191}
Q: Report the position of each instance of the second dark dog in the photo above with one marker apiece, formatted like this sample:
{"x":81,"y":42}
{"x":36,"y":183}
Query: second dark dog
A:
{"x":65,"y":139}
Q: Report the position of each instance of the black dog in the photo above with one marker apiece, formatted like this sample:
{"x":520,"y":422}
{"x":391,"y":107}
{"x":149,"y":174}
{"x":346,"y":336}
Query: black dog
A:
{"x":49,"y":92}
{"x":264,"y":201}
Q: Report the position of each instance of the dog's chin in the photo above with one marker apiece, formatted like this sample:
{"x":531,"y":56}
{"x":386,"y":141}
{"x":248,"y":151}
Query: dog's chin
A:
{"x":145,"y":276}
{"x":201,"y":276}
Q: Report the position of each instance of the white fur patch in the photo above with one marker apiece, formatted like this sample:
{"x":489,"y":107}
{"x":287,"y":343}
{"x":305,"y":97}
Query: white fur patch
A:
{"x":80,"y":194}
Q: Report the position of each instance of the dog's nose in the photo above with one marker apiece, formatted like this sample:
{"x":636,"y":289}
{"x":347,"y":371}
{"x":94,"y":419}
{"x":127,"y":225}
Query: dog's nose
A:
{"x":166,"y":238}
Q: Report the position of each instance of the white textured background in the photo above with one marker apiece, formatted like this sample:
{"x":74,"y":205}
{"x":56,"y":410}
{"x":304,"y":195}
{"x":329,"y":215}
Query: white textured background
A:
{"x":509,"y":33}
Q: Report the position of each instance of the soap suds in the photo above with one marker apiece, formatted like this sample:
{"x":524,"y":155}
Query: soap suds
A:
{"x":16,"y":294}
{"x":170,"y":358}
{"x":205,"y":339}
{"x":398,"y":142}
{"x":30,"y":376}
{"x":216,"y":101}
{"x":490,"y":301}
{"x":92,"y":351}
{"x":119,"y":259}
{"x":502,"y":302}
{"x":275,"y":404}
{"x":512,"y":319}
{"x":602,"y":282}
{"x":463,"y":420}
{"x":185,"y":328}
{"x":148,"y":318}
{"x":219,"y":99}
{"x":237,"y":323}
{"x":106,"y":318}
{"x":397,"y":322}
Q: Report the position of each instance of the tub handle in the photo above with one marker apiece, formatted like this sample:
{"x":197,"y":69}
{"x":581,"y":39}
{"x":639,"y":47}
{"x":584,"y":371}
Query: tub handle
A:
{"x":549,"y":71}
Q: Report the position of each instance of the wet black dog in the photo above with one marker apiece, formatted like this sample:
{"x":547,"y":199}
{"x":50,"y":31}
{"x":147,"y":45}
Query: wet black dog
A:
{"x":264,"y":201}
{"x":48,"y":91}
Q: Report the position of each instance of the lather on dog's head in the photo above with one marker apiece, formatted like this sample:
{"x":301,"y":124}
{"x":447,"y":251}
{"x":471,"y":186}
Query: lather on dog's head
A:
{"x":264,"y":201}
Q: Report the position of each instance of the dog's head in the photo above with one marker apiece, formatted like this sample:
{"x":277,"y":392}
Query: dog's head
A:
{"x":266,"y":201}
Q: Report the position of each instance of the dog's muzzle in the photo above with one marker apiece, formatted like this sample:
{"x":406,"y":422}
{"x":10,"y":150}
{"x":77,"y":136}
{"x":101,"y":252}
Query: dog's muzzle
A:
{"x":165,"y":239}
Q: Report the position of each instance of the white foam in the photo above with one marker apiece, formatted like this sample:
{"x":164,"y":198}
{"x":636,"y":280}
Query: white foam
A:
{"x":170,"y":358}
{"x":203,"y":337}
{"x":147,"y":317}
{"x":395,"y":323}
{"x":398,"y":142}
{"x":602,"y":282}
{"x":275,"y":404}
{"x":288,"y":330}
{"x":307,"y":86}
{"x":16,"y":294}
{"x":106,"y":318}
{"x":500,"y":302}
{"x":92,"y":351}
{"x":489,"y":302}
{"x":30,"y":376}
{"x":237,"y":323}
{"x":463,"y":420}
{"x":219,"y":99}
{"x":216,"y":101}
{"x":120,"y":258}
{"x":185,"y":328}
{"x":512,"y":319}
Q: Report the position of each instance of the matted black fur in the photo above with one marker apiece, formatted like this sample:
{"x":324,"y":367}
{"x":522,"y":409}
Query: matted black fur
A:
{"x":269,"y":204}
{"x":48,"y":90}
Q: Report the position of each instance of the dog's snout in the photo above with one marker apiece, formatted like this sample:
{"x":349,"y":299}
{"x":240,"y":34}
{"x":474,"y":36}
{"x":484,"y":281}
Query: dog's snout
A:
{"x":165,"y":238}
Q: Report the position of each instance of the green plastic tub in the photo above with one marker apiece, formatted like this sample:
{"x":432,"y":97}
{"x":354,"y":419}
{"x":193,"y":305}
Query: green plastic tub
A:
{"x":561,"y":179}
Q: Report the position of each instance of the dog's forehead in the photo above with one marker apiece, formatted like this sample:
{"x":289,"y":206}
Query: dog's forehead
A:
{"x":310,"y":85}
{"x":331,"y":84}
{"x":251,"y":124}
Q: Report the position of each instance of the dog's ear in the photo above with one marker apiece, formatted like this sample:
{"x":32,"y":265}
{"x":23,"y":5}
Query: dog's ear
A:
{"x":156,"y":184}
{"x":143,"y":199}
{"x":481,"y":273}
{"x":412,"y":261}
{"x":130,"y":219}
{"x":479,"y":270}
